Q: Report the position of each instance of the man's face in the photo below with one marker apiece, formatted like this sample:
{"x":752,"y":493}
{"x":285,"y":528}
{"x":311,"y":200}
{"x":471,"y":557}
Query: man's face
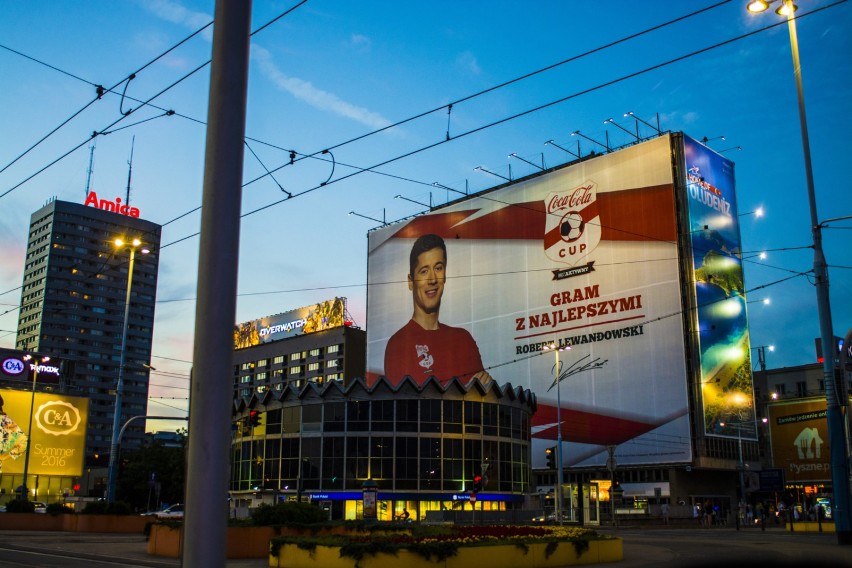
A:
{"x":427,"y":283}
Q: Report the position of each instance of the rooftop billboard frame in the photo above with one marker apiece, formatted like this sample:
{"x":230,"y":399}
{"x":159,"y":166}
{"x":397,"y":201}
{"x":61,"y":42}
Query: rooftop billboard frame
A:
{"x":595,"y":256}
{"x":309,"y":319}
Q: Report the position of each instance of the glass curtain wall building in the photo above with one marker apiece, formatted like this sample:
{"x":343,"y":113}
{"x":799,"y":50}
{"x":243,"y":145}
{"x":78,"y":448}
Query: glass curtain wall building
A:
{"x":421,"y":444}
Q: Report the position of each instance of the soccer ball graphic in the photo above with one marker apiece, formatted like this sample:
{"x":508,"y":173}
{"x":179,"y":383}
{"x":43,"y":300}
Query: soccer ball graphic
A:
{"x":572,"y":227}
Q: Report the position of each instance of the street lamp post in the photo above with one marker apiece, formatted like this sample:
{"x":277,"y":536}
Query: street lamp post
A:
{"x":112,"y":472}
{"x":741,"y":467}
{"x":35,"y":363}
{"x":834,"y":416}
{"x":559,"y":473}
{"x":738,"y":426}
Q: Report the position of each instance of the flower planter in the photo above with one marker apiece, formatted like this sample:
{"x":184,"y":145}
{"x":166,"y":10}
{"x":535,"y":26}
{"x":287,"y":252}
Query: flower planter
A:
{"x":164,"y":540}
{"x":242,"y":542}
{"x":31,"y":522}
{"x":74,"y":523}
{"x":497,"y":556}
{"x":134,"y":524}
{"x":811,"y":526}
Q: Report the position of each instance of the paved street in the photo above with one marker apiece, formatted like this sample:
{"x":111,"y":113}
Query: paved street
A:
{"x":660,"y":547}
{"x":725,"y":546}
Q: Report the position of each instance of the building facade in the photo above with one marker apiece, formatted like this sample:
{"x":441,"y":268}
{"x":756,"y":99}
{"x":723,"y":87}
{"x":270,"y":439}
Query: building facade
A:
{"x":73,"y":305}
{"x":307,"y":426}
{"x":794,"y":451}
{"x":421,"y":446}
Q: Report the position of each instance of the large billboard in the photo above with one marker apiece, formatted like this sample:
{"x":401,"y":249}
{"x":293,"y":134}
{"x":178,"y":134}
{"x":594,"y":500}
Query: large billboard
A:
{"x":585,"y":256}
{"x":57,"y":439}
{"x":317,"y":317}
{"x":799,"y":435}
{"x":723,"y":341}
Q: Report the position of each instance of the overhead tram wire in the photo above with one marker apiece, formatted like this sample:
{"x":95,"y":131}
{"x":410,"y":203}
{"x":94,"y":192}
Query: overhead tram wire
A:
{"x":155,"y":400}
{"x":467,"y":98}
{"x":460,"y":100}
{"x":644,"y":322}
{"x":657,"y":319}
{"x":515,"y":80}
{"x":101,"y":91}
{"x":363,"y":170}
{"x":318,"y":154}
{"x":516,"y":360}
{"x":442,"y":141}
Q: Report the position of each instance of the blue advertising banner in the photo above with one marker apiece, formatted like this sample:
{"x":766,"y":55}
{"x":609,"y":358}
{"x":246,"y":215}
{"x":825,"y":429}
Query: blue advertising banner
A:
{"x":726,"y":381}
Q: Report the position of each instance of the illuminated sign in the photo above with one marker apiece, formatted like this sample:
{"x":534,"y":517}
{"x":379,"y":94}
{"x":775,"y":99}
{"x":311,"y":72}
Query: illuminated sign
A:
{"x":58,"y":437}
{"x":719,"y":292}
{"x":799,"y":434}
{"x":325,"y":315}
{"x":45,"y":369}
{"x":13,"y":366}
{"x":107,"y":205}
{"x":584,"y":256}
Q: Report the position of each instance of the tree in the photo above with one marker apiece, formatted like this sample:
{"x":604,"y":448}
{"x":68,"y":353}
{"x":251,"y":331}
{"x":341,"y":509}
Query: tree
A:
{"x":156,"y":463}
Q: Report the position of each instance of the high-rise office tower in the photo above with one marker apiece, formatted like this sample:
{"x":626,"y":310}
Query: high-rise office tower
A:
{"x":73,"y":306}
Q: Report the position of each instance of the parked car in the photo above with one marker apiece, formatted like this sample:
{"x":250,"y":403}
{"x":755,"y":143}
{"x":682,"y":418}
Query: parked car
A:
{"x":172,"y":512}
{"x":39,"y":507}
{"x":549,"y":518}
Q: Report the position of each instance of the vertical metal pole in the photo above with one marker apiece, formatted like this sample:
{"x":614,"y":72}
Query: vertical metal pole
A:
{"x":206,"y":519}
{"x":559,"y":473}
{"x":112,"y":472}
{"x":611,"y":464}
{"x":834,"y":418}
{"x":742,"y":474}
{"x":25,"y":494}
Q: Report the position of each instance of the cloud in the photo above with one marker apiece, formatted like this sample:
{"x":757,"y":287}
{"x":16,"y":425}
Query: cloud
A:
{"x":361,"y":42}
{"x":306,"y":92}
{"x":177,"y":14}
{"x":467,"y":61}
{"x":300,"y":89}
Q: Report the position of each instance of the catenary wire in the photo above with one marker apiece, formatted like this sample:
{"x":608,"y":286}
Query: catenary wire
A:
{"x":142,"y":104}
{"x":515,"y":116}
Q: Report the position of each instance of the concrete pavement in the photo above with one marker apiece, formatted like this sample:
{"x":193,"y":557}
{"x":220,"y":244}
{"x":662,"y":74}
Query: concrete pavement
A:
{"x":128,"y":549}
{"x":672,"y":546}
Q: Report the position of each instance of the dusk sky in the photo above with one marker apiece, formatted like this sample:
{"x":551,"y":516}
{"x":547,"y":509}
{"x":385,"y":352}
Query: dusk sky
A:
{"x":327,"y":75}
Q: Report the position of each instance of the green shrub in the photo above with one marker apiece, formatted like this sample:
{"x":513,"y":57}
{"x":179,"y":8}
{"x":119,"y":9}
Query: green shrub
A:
{"x":288,"y":513}
{"x":20,"y":506}
{"x":107,"y":508}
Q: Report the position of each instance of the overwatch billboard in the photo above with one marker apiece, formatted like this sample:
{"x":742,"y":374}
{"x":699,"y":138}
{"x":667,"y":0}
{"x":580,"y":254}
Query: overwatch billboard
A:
{"x":325,"y":315}
{"x":585,"y":258}
{"x":57,"y":439}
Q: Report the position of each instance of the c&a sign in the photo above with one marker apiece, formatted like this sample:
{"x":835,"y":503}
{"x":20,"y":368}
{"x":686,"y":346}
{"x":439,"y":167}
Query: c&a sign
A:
{"x":58,"y":437}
